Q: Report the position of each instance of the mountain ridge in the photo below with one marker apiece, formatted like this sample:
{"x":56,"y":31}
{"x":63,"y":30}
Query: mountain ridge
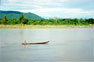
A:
{"x":16,"y":14}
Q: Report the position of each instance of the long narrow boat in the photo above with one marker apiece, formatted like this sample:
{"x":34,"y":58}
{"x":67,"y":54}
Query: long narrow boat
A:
{"x":35,"y":43}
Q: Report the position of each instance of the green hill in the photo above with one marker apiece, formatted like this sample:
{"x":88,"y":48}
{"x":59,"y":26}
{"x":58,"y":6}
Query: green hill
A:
{"x":16,"y":14}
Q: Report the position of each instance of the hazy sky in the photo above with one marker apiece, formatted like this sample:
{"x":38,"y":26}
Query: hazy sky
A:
{"x":52,"y":8}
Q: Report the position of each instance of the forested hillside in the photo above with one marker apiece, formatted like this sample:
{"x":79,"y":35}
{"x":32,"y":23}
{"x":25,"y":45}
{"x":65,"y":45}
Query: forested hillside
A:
{"x":16,"y":14}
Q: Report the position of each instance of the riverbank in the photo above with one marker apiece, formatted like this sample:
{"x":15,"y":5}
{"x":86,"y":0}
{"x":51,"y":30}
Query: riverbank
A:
{"x":43,"y":26}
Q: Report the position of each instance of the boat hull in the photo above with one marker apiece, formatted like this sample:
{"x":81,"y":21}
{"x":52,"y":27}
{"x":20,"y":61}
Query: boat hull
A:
{"x":35,"y":43}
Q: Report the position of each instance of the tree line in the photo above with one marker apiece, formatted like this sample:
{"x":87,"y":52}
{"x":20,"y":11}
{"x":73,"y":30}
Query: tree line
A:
{"x":50,"y":21}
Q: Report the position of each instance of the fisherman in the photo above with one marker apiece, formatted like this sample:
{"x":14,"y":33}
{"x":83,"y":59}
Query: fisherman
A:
{"x":25,"y":42}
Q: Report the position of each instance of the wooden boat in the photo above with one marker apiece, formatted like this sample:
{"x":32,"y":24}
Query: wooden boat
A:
{"x":35,"y":43}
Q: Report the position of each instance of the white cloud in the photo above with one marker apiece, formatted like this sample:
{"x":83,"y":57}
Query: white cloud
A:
{"x":11,"y":1}
{"x":61,"y":12}
{"x":51,"y":8}
{"x":65,"y":10}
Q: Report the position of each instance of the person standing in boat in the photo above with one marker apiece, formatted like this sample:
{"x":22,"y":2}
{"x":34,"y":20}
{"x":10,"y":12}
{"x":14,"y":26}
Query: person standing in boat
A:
{"x":25,"y":42}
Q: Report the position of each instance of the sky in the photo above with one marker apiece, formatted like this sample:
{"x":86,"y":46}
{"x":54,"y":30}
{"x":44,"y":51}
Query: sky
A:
{"x":52,"y":8}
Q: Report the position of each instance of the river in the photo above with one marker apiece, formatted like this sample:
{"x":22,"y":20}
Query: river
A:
{"x":66,"y":45}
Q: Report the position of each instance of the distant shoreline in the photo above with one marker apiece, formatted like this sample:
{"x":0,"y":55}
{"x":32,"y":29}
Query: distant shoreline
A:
{"x":43,"y":26}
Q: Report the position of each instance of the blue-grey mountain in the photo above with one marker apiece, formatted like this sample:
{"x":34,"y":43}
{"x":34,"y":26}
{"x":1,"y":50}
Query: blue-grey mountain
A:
{"x":16,"y":14}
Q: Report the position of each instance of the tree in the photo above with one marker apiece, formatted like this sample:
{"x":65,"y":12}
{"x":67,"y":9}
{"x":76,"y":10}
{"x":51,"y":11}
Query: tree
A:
{"x":22,"y":19}
{"x":5,"y":20}
{"x":0,"y":21}
{"x":56,"y":19}
{"x":82,"y":21}
{"x":76,"y":21}
{"x":12,"y":21}
{"x":91,"y":20}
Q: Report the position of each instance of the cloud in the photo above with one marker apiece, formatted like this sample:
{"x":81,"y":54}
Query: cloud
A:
{"x":62,"y":12}
{"x":52,"y":8}
{"x":83,"y":4}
